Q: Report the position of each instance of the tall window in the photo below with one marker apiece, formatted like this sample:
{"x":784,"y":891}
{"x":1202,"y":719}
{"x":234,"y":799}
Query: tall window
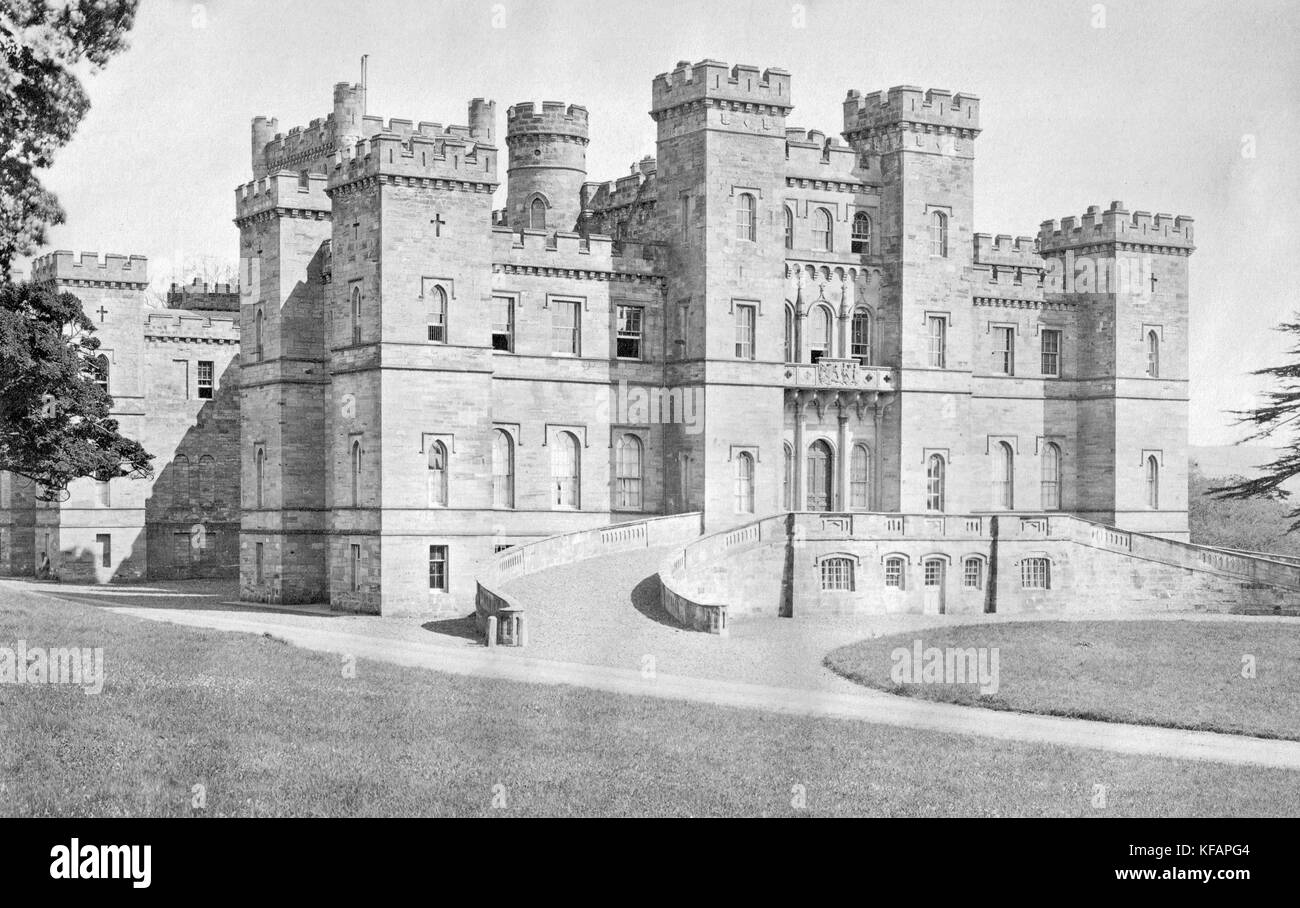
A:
{"x":894,"y":572}
{"x":207,"y":480}
{"x":503,"y":323}
{"x":939,"y":234}
{"x":861,"y":233}
{"x":180,"y":481}
{"x":627,"y":456}
{"x":566,"y":327}
{"x":99,"y":372}
{"x":103,"y":493}
{"x":819,"y":342}
{"x":972,"y":574}
{"x":1004,"y":351}
{"x":1036,"y":574}
{"x":935,"y":492}
{"x":744,"y":483}
{"x":259,"y":480}
{"x":259,"y":561}
{"x":837,"y":574}
{"x":1051,"y":477}
{"x":1153,"y":482}
{"x":356,"y":315}
{"x":438,"y":315}
{"x":787,"y":479}
{"x":628,"y":341}
{"x":537,"y":215}
{"x":566,"y":475}
{"x":789,"y":228}
{"x":745,"y":317}
{"x":105,"y":543}
{"x":355,"y":471}
{"x":503,"y":469}
{"x":1153,"y":354}
{"x":1003,"y":476}
{"x":789,"y":335}
{"x":938,"y":325}
{"x":354,"y":568}
{"x":686,"y":219}
{"x":860,"y":478}
{"x":746,"y":216}
{"x":205,"y":379}
{"x":437,"y":479}
{"x":860,"y":336}
{"x":822,"y":237}
{"x":820,"y":472}
{"x":438,"y":568}
{"x":1051,"y":351}
{"x":259,"y":326}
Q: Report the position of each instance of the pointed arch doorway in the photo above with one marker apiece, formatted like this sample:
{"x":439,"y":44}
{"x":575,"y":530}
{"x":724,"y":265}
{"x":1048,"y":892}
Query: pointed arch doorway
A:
{"x":820,"y":473}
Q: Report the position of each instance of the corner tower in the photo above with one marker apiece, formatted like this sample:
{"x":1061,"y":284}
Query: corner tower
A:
{"x":547,"y":164}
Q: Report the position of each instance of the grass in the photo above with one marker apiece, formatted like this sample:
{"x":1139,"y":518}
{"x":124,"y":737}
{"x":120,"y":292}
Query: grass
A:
{"x":270,"y":729}
{"x":1177,"y":674}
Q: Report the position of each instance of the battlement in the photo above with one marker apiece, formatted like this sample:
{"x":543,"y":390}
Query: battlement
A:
{"x":1022,"y":252}
{"x":551,"y":249}
{"x":742,"y":84}
{"x":282,"y":189}
{"x":63,"y":266}
{"x":907,"y":104}
{"x":1116,"y":225}
{"x":627,"y":190}
{"x":554,"y":119}
{"x":813,"y":154}
{"x":204,"y":296}
{"x":184,"y":324}
{"x":449,"y":155}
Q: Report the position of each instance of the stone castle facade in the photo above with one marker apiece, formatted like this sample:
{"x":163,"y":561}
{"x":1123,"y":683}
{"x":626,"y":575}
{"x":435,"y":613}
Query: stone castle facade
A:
{"x":757,"y":319}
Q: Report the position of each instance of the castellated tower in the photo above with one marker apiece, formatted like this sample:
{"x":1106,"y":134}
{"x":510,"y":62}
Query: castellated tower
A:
{"x":922,"y":143}
{"x":547,"y":167}
{"x":1127,"y":276}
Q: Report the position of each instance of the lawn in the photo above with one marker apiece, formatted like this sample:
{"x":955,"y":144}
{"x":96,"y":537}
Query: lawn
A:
{"x":270,"y":729}
{"x":1179,"y":674}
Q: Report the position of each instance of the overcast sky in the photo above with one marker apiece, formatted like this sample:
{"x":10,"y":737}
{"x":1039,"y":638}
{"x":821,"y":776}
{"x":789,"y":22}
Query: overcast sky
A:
{"x":1180,"y":107}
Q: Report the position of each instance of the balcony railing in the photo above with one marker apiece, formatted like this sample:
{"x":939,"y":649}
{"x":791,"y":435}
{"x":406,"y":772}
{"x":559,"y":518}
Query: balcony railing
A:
{"x":840,"y":374}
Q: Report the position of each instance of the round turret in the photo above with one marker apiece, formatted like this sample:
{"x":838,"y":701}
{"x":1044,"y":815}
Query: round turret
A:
{"x":547,"y":165}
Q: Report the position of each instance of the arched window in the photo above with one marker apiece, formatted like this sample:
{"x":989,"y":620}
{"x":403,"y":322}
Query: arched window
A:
{"x":862,"y":233}
{"x":259,"y":326}
{"x":356,"y":315}
{"x":180,"y":481}
{"x":355,"y":470}
{"x":99,"y":371}
{"x":860,"y":478}
{"x":896,"y":572}
{"x":438,"y":315}
{"x":746,"y":217}
{"x":537,"y":215}
{"x":790,"y":354}
{"x":819,"y":344}
{"x":972,"y":573}
{"x":823,"y":241}
{"x":1036,"y":574}
{"x":1153,"y":482}
{"x":1051,"y":477}
{"x":837,"y":574}
{"x":860,"y":331}
{"x":789,"y":229}
{"x":787,"y":479}
{"x":627,"y":457}
{"x":1003,"y":476}
{"x":820,"y":473}
{"x":566,"y":474}
{"x":207,"y":480}
{"x":939,"y":234}
{"x":503,"y":469}
{"x":1153,"y":354}
{"x":935,"y":491}
{"x":744,"y":483}
{"x":437,"y":478}
{"x":259,"y":479}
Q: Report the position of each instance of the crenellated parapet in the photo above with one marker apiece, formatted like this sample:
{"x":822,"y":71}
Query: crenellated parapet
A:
{"x":564,"y":254}
{"x":740,"y":87}
{"x":88,"y":270}
{"x":285,"y":194}
{"x":191,"y":327}
{"x":814,"y":155}
{"x":201,"y":295}
{"x":907,"y":107}
{"x":1116,"y":225}
{"x":419,"y":155}
{"x":555,"y":121}
{"x":1020,"y":252}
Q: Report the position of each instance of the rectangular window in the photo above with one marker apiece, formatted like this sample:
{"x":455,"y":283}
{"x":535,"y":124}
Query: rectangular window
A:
{"x":354,"y":568}
{"x":972,"y":577}
{"x":683,"y":323}
{"x":503,"y":324}
{"x":1051,"y":351}
{"x":686,"y":219}
{"x":183,"y":370}
{"x":257,"y":563}
{"x":628,"y":342}
{"x":837,"y":574}
{"x":938,"y":325}
{"x":566,"y":328}
{"x":745,"y":315}
{"x":438,"y":568}
{"x":1036,"y":574}
{"x":894,"y":572}
{"x":205,"y":379}
{"x":105,"y":543}
{"x":1004,"y":350}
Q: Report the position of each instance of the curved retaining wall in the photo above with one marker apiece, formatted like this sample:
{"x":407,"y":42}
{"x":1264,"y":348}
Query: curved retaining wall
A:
{"x":554,"y":551}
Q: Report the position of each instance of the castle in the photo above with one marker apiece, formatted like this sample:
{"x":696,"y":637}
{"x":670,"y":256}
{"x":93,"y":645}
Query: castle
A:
{"x":757,"y":319}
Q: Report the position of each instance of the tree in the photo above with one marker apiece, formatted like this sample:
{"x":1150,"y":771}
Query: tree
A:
{"x":1248,"y":525}
{"x":41,"y":41}
{"x":54,"y":422}
{"x":1281,"y":408}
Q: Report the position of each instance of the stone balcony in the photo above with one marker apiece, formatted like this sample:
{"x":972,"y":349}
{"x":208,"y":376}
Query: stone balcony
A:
{"x":840,"y":375}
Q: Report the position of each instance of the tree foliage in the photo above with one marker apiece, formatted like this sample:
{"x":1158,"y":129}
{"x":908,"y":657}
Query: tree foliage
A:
{"x":42,"y":42}
{"x":1246,"y":524}
{"x":54,"y":416}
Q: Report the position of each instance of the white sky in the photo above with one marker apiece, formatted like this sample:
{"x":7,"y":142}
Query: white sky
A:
{"x":1151,"y":109}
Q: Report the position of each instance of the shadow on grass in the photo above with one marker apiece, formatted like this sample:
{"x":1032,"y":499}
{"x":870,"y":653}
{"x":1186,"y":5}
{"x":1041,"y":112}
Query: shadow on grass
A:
{"x":465,"y":628}
{"x":648,"y":600}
